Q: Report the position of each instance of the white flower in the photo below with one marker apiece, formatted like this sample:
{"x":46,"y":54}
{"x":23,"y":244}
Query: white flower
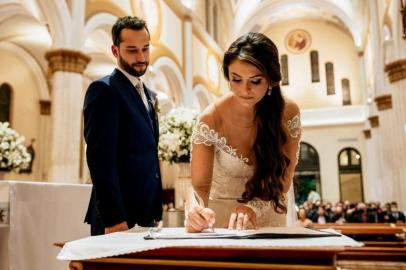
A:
{"x":175,"y":130}
{"x":13,"y":153}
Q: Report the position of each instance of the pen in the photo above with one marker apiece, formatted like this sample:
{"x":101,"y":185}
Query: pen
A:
{"x":201,"y":203}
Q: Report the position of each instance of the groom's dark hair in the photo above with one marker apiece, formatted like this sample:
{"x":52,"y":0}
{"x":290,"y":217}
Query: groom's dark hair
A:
{"x":130,"y":22}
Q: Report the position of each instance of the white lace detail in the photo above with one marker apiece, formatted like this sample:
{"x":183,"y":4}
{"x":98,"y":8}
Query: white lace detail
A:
{"x":294,"y":126}
{"x":203,"y":134}
{"x":262,"y":210}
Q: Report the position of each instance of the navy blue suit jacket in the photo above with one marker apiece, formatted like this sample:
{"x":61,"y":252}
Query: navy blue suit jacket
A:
{"x":122,"y":142}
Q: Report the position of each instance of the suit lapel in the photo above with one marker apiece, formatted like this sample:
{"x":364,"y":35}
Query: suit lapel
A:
{"x":125,"y":82}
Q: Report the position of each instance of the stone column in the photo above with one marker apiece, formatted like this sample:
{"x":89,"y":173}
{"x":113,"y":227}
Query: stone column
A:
{"x":396,"y":72}
{"x":67,"y":67}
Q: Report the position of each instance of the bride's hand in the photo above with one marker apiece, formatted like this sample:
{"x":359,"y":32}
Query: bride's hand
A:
{"x":199,"y":218}
{"x":242,"y":216}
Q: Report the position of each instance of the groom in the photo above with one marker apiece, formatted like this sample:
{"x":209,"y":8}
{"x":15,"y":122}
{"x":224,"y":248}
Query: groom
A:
{"x":121,"y":133}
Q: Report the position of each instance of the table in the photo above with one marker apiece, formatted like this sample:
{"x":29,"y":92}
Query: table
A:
{"x":218,"y":258}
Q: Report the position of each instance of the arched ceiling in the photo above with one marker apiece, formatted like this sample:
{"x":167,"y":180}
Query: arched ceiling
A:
{"x":260,"y":15}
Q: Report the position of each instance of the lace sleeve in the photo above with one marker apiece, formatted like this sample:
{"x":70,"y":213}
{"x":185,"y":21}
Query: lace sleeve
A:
{"x":294,"y":126}
{"x":203,"y":134}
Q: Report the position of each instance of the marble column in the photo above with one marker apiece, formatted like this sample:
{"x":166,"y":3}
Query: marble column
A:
{"x":396,"y":72}
{"x":67,"y":67}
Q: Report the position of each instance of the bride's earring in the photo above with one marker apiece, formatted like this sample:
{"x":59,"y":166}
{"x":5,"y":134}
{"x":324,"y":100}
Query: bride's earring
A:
{"x":269,"y":93}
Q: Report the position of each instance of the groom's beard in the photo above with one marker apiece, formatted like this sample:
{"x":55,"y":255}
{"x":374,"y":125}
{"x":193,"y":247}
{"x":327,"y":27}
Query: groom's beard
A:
{"x":131,"y":69}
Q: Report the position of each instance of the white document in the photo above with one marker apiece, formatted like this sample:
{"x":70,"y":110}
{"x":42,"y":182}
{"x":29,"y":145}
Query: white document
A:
{"x":263,"y":233}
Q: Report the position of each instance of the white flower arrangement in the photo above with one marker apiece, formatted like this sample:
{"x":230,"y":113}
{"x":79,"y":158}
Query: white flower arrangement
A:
{"x":13,"y":153}
{"x":175,"y":131}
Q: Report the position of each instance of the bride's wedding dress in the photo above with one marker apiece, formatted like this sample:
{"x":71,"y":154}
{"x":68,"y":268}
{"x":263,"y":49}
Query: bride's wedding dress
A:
{"x":231,"y":172}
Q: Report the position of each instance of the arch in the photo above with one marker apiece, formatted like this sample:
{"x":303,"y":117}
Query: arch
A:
{"x":174,"y":78}
{"x":32,"y":64}
{"x":307,"y":174}
{"x":99,"y":21}
{"x":267,"y":11}
{"x":57,"y":16}
{"x":202,"y":96}
{"x":350,"y":175}
{"x":8,"y":10}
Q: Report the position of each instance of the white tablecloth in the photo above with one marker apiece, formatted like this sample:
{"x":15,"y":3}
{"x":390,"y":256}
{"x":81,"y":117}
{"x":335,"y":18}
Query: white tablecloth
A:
{"x":129,"y":242}
{"x":40,"y":215}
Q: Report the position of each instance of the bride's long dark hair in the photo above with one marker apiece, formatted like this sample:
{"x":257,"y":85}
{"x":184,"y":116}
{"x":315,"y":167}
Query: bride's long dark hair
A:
{"x":271,"y":161}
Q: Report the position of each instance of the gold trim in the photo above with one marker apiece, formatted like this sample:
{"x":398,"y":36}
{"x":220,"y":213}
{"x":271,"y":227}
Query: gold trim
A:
{"x":367,"y":133}
{"x":374,"y":121}
{"x":97,"y":6}
{"x":161,"y":50}
{"x":396,"y":70}
{"x":211,"y":87}
{"x":133,"y":8}
{"x":67,"y":60}
{"x":157,"y":34}
{"x":175,"y":8}
{"x":384,"y":102}
{"x":69,"y":4}
{"x":45,"y":107}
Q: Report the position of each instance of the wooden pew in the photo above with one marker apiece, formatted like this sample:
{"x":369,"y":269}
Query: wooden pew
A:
{"x":385,"y":246}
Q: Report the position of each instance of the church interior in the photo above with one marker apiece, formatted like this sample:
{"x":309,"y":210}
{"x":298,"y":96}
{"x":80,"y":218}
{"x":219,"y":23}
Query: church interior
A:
{"x":342,"y":61}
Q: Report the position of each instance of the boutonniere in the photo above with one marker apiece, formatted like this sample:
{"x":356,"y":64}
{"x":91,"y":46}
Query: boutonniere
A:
{"x":154,"y":102}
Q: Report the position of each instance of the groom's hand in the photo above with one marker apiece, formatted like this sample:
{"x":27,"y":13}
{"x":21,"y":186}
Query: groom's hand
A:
{"x":242,"y":216}
{"x":199,"y":218}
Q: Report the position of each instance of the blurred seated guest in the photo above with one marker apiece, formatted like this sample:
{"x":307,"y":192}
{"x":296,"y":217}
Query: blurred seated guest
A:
{"x":329,"y":211}
{"x":303,"y":221}
{"x":397,"y":215}
{"x":373,"y":211}
{"x":361,"y":215}
{"x":338,"y":216}
{"x":321,"y":217}
{"x":385,"y":215}
{"x":311,"y":210}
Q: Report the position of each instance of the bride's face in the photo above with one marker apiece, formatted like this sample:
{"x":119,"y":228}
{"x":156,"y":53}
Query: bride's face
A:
{"x":247,"y":82}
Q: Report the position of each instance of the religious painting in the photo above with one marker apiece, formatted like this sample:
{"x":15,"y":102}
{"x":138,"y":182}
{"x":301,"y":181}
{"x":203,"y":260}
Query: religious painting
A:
{"x":297,"y":41}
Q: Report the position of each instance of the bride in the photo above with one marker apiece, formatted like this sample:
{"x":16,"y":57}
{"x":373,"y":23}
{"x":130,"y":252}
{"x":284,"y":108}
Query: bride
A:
{"x":245,"y":145}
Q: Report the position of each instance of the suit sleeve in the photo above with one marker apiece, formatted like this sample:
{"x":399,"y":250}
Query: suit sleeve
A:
{"x":101,"y":135}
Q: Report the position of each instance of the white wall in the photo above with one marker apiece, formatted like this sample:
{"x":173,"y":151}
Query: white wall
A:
{"x":333,"y":45}
{"x":329,"y":141}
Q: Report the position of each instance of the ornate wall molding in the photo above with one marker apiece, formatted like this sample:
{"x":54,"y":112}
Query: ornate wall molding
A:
{"x":396,"y":70}
{"x":374,"y":121}
{"x":367,"y":133}
{"x":45,"y":107}
{"x":67,"y":60}
{"x":384,"y":102}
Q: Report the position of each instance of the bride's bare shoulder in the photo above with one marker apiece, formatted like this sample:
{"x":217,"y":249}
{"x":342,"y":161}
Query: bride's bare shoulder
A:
{"x":212,"y":115}
{"x":291,"y":109}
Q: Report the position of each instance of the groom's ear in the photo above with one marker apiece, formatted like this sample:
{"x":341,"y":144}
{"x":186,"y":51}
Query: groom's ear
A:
{"x":114,"y":50}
